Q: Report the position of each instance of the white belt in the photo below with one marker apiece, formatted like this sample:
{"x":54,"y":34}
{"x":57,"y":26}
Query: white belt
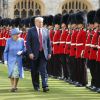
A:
{"x":80,"y":44}
{"x":1,"y":38}
{"x":68,"y":42}
{"x":88,"y":45}
{"x":62,"y":42}
{"x":94,"y":46}
{"x":98,"y":47}
{"x":73,"y":44}
{"x":56,"y":42}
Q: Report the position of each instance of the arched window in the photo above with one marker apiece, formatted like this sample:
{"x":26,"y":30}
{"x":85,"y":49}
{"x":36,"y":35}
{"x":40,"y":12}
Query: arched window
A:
{"x":64,"y":11}
{"x":18,"y":5}
{"x":29,"y":5}
{"x":25,"y":4}
{"x":74,"y":6}
{"x":22,"y":5}
{"x":27,"y":8}
{"x":37,"y":12}
{"x":16,"y":13}
{"x":23,"y":13}
{"x":30,"y":13}
{"x":71,"y":11}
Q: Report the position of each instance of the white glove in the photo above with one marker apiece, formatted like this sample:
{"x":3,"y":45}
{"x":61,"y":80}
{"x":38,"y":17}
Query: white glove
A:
{"x":5,"y":63}
{"x":19,"y":53}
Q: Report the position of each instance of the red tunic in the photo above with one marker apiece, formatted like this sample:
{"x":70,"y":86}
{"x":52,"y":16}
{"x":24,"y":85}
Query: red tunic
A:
{"x":73,"y":43}
{"x":63,"y":41}
{"x":98,"y":53}
{"x":88,"y":44}
{"x":80,"y":42}
{"x":56,"y":41}
{"x":93,"y":50}
{"x":1,"y":38}
{"x":51,"y":35}
{"x":4,"y":35}
{"x":68,"y":43}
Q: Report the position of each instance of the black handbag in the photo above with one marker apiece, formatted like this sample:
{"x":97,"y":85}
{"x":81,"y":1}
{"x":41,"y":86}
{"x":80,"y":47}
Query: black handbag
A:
{"x":26,"y":60}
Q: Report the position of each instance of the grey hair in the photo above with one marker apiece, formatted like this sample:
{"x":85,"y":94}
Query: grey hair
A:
{"x":39,"y":19}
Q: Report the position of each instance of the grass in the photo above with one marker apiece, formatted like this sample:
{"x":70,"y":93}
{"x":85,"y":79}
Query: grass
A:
{"x":59,"y":90}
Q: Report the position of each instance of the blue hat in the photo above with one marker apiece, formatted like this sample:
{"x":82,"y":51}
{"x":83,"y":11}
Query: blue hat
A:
{"x":15,"y":31}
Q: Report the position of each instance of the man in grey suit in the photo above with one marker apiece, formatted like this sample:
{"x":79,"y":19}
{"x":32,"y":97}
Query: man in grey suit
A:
{"x":39,"y":50}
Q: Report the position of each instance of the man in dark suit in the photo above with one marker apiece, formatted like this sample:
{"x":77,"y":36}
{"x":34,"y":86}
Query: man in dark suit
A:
{"x":39,"y":49}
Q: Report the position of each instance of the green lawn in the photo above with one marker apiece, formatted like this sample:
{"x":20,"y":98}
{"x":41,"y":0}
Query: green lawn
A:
{"x":59,"y":90}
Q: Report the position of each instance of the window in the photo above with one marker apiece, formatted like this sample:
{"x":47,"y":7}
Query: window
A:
{"x":64,"y":11}
{"x":37,"y":12}
{"x":74,"y":6}
{"x":27,"y":8}
{"x":30,"y":13}
{"x":23,"y":14}
{"x":16,"y":13}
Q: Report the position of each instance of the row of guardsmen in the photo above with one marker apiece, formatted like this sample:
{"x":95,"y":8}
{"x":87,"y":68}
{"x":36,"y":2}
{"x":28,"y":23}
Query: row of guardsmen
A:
{"x":76,"y":47}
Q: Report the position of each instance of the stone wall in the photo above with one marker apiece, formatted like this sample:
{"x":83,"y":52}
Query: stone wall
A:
{"x":52,"y":6}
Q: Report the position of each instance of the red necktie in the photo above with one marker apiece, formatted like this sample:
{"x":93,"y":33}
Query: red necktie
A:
{"x":40,"y":40}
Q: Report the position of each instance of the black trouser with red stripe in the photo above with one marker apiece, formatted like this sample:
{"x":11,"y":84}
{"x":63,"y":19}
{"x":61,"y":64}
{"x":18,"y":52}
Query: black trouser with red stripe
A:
{"x":73,"y":68}
{"x":1,"y":52}
{"x":82,"y":71}
{"x":64,"y":64}
{"x":97,"y":83}
{"x":92,"y":66}
{"x":57,"y":70}
{"x":68,"y":65}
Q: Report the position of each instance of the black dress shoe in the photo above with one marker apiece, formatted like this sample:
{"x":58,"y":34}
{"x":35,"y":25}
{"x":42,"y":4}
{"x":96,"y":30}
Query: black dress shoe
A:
{"x":89,"y":87}
{"x":13,"y":90}
{"x":46,"y":89}
{"x":37,"y":89}
{"x":93,"y":88}
{"x":98,"y":90}
{"x":79,"y":85}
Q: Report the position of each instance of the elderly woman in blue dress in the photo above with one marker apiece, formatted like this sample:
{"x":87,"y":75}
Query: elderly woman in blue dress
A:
{"x":13,"y":57}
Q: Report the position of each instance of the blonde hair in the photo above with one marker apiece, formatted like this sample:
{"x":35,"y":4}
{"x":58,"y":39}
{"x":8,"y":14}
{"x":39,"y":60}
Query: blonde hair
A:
{"x":39,"y":19}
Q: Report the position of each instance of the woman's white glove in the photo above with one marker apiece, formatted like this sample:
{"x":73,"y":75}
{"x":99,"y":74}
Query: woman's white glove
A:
{"x":19,"y":53}
{"x":5,"y":62}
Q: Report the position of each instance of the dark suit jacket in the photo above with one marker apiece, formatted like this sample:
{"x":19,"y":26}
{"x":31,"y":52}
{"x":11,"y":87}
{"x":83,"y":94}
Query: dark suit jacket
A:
{"x":32,"y":42}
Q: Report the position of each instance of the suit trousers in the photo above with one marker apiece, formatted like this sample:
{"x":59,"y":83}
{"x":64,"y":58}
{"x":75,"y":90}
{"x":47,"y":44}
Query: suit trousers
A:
{"x":39,"y":68}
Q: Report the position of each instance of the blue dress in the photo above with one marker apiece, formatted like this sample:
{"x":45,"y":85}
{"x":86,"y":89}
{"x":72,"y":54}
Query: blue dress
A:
{"x":10,"y":55}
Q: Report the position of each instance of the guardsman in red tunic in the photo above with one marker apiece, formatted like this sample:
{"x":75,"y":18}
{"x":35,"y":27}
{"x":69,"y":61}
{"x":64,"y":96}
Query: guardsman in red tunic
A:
{"x":90,"y":32}
{"x":50,"y":65}
{"x":64,"y":23}
{"x":93,"y":52}
{"x":73,"y":67}
{"x":4,"y":33}
{"x":98,"y":66}
{"x":1,"y":38}
{"x":56,"y":42}
{"x":67,"y":52}
{"x":80,"y":44}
